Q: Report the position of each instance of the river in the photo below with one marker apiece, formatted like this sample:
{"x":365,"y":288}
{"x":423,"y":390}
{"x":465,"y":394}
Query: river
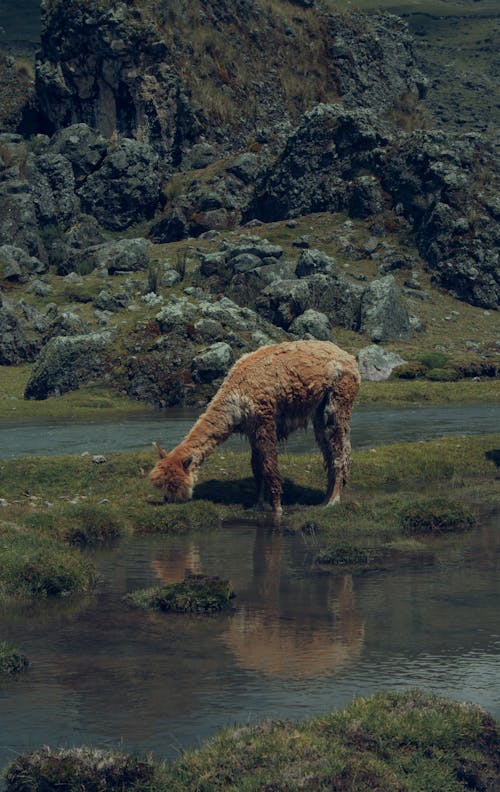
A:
{"x":371,"y":426}
{"x":298,"y":641}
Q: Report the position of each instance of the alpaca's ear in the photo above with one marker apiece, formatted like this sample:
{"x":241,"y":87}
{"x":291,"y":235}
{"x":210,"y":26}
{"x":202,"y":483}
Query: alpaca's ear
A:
{"x":160,"y":450}
{"x":187,"y":463}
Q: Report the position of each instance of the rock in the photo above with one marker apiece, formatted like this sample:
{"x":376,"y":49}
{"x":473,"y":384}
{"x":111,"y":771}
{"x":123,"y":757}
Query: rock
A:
{"x":16,"y":345}
{"x":383,"y":314}
{"x":329,"y":148}
{"x":83,"y":147}
{"x":366,"y":197}
{"x":124,"y":255}
{"x":67,"y":362}
{"x":245,"y":167}
{"x":199,"y":156}
{"x":212,"y":363}
{"x":376,"y":363}
{"x":312,"y":324}
{"x":15,"y":262}
{"x":125,"y":189}
{"x":313,"y":261}
{"x":52,"y":185}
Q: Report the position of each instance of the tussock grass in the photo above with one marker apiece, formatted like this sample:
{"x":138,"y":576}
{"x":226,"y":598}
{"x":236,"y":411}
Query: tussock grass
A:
{"x":12,"y":661}
{"x":194,"y":594}
{"x":391,"y":741}
{"x":38,"y":566}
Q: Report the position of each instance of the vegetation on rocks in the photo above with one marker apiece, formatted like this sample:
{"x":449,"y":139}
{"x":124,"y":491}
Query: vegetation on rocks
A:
{"x":391,"y":741}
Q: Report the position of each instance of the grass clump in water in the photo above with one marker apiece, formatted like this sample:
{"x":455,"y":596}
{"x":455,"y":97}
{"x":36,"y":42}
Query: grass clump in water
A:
{"x":435,"y":516}
{"x":39,"y":566}
{"x":194,"y":594}
{"x":344,"y":554}
{"x":11,"y":660}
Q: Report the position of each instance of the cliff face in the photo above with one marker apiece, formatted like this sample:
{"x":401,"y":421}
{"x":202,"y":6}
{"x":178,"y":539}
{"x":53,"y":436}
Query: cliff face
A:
{"x":169,"y":74}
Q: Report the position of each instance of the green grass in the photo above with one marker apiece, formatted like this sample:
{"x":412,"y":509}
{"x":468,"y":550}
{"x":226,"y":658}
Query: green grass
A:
{"x":405,"y":495}
{"x":38,"y":566}
{"x":390,"y":742}
{"x":194,"y":594}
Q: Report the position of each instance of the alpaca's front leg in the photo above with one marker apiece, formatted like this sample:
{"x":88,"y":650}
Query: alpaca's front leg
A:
{"x":266,"y":452}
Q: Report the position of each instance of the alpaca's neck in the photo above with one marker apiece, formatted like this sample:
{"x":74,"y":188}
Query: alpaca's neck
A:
{"x":212,"y":428}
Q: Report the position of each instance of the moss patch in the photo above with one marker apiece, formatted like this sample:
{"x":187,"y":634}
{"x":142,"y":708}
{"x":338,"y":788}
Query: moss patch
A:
{"x":194,"y":594}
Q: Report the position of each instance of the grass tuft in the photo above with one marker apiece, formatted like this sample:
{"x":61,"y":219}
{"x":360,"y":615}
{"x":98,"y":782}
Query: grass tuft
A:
{"x":11,"y":660}
{"x":194,"y":594}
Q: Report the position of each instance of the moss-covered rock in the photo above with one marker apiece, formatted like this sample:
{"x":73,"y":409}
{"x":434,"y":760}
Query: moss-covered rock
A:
{"x":195,"y":594}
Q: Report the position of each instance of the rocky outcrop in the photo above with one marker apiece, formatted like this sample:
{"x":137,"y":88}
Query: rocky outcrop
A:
{"x":445,"y":185}
{"x":66,"y":362}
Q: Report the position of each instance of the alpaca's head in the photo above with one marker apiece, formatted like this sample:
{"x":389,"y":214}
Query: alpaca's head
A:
{"x":174,"y":474}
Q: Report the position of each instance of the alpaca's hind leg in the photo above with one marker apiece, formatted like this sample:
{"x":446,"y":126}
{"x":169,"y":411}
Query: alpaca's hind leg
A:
{"x":332,"y":430}
{"x":258,"y":473}
{"x":265,"y":457}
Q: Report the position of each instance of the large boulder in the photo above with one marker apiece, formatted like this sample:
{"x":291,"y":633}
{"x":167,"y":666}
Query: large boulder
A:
{"x":126,"y":187}
{"x":383,"y":313}
{"x":66,"y":362}
{"x":16,"y":344}
{"x":331,"y":146}
{"x":376,"y":363}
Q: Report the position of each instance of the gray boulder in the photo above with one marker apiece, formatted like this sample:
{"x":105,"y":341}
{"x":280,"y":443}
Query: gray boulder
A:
{"x":67,"y":362}
{"x":52,"y":185}
{"x":16,"y":344}
{"x":383,"y":314}
{"x":376,"y":363}
{"x":124,"y":255}
{"x":312,"y":324}
{"x":125,"y":189}
{"x":314,"y":261}
{"x":331,"y":146}
{"x":16,"y":262}
{"x":212,"y":363}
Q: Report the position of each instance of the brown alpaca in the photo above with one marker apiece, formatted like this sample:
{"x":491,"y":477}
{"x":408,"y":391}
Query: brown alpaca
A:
{"x":266,"y":395}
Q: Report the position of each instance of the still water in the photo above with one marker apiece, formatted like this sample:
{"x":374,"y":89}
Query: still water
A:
{"x":371,"y":426}
{"x":298,"y":641}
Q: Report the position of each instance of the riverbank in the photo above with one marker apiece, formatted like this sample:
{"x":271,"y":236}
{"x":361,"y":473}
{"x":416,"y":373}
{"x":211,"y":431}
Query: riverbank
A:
{"x":392,"y":741}
{"x":88,"y":403}
{"x":437,"y":487}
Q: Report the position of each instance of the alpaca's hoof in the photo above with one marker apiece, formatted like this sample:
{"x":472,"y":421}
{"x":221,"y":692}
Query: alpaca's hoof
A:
{"x":332,"y":501}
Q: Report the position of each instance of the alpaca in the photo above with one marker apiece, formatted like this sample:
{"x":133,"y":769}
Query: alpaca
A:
{"x":266,"y":395}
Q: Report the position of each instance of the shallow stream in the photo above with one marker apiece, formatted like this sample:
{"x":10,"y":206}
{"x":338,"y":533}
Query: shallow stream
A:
{"x":297,"y":642}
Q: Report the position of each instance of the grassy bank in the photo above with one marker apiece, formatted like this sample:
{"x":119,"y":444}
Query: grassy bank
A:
{"x":402,"y":496}
{"x":404,"y":742}
{"x":91,"y":403}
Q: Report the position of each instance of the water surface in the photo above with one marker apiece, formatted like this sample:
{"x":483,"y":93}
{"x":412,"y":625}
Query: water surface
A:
{"x":371,"y":426}
{"x":298,"y":642}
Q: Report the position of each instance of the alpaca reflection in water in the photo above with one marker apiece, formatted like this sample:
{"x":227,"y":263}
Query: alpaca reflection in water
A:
{"x":293,"y":628}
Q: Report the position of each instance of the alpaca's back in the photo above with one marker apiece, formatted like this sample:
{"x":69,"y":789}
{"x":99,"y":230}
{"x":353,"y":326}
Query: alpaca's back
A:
{"x":293,"y":377}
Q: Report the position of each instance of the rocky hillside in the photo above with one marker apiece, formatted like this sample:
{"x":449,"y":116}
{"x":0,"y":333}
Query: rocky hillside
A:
{"x":188,"y":183}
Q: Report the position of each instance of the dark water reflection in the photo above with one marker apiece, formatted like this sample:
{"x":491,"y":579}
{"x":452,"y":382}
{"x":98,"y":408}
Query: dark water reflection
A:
{"x":371,"y":426}
{"x":298,"y":642}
